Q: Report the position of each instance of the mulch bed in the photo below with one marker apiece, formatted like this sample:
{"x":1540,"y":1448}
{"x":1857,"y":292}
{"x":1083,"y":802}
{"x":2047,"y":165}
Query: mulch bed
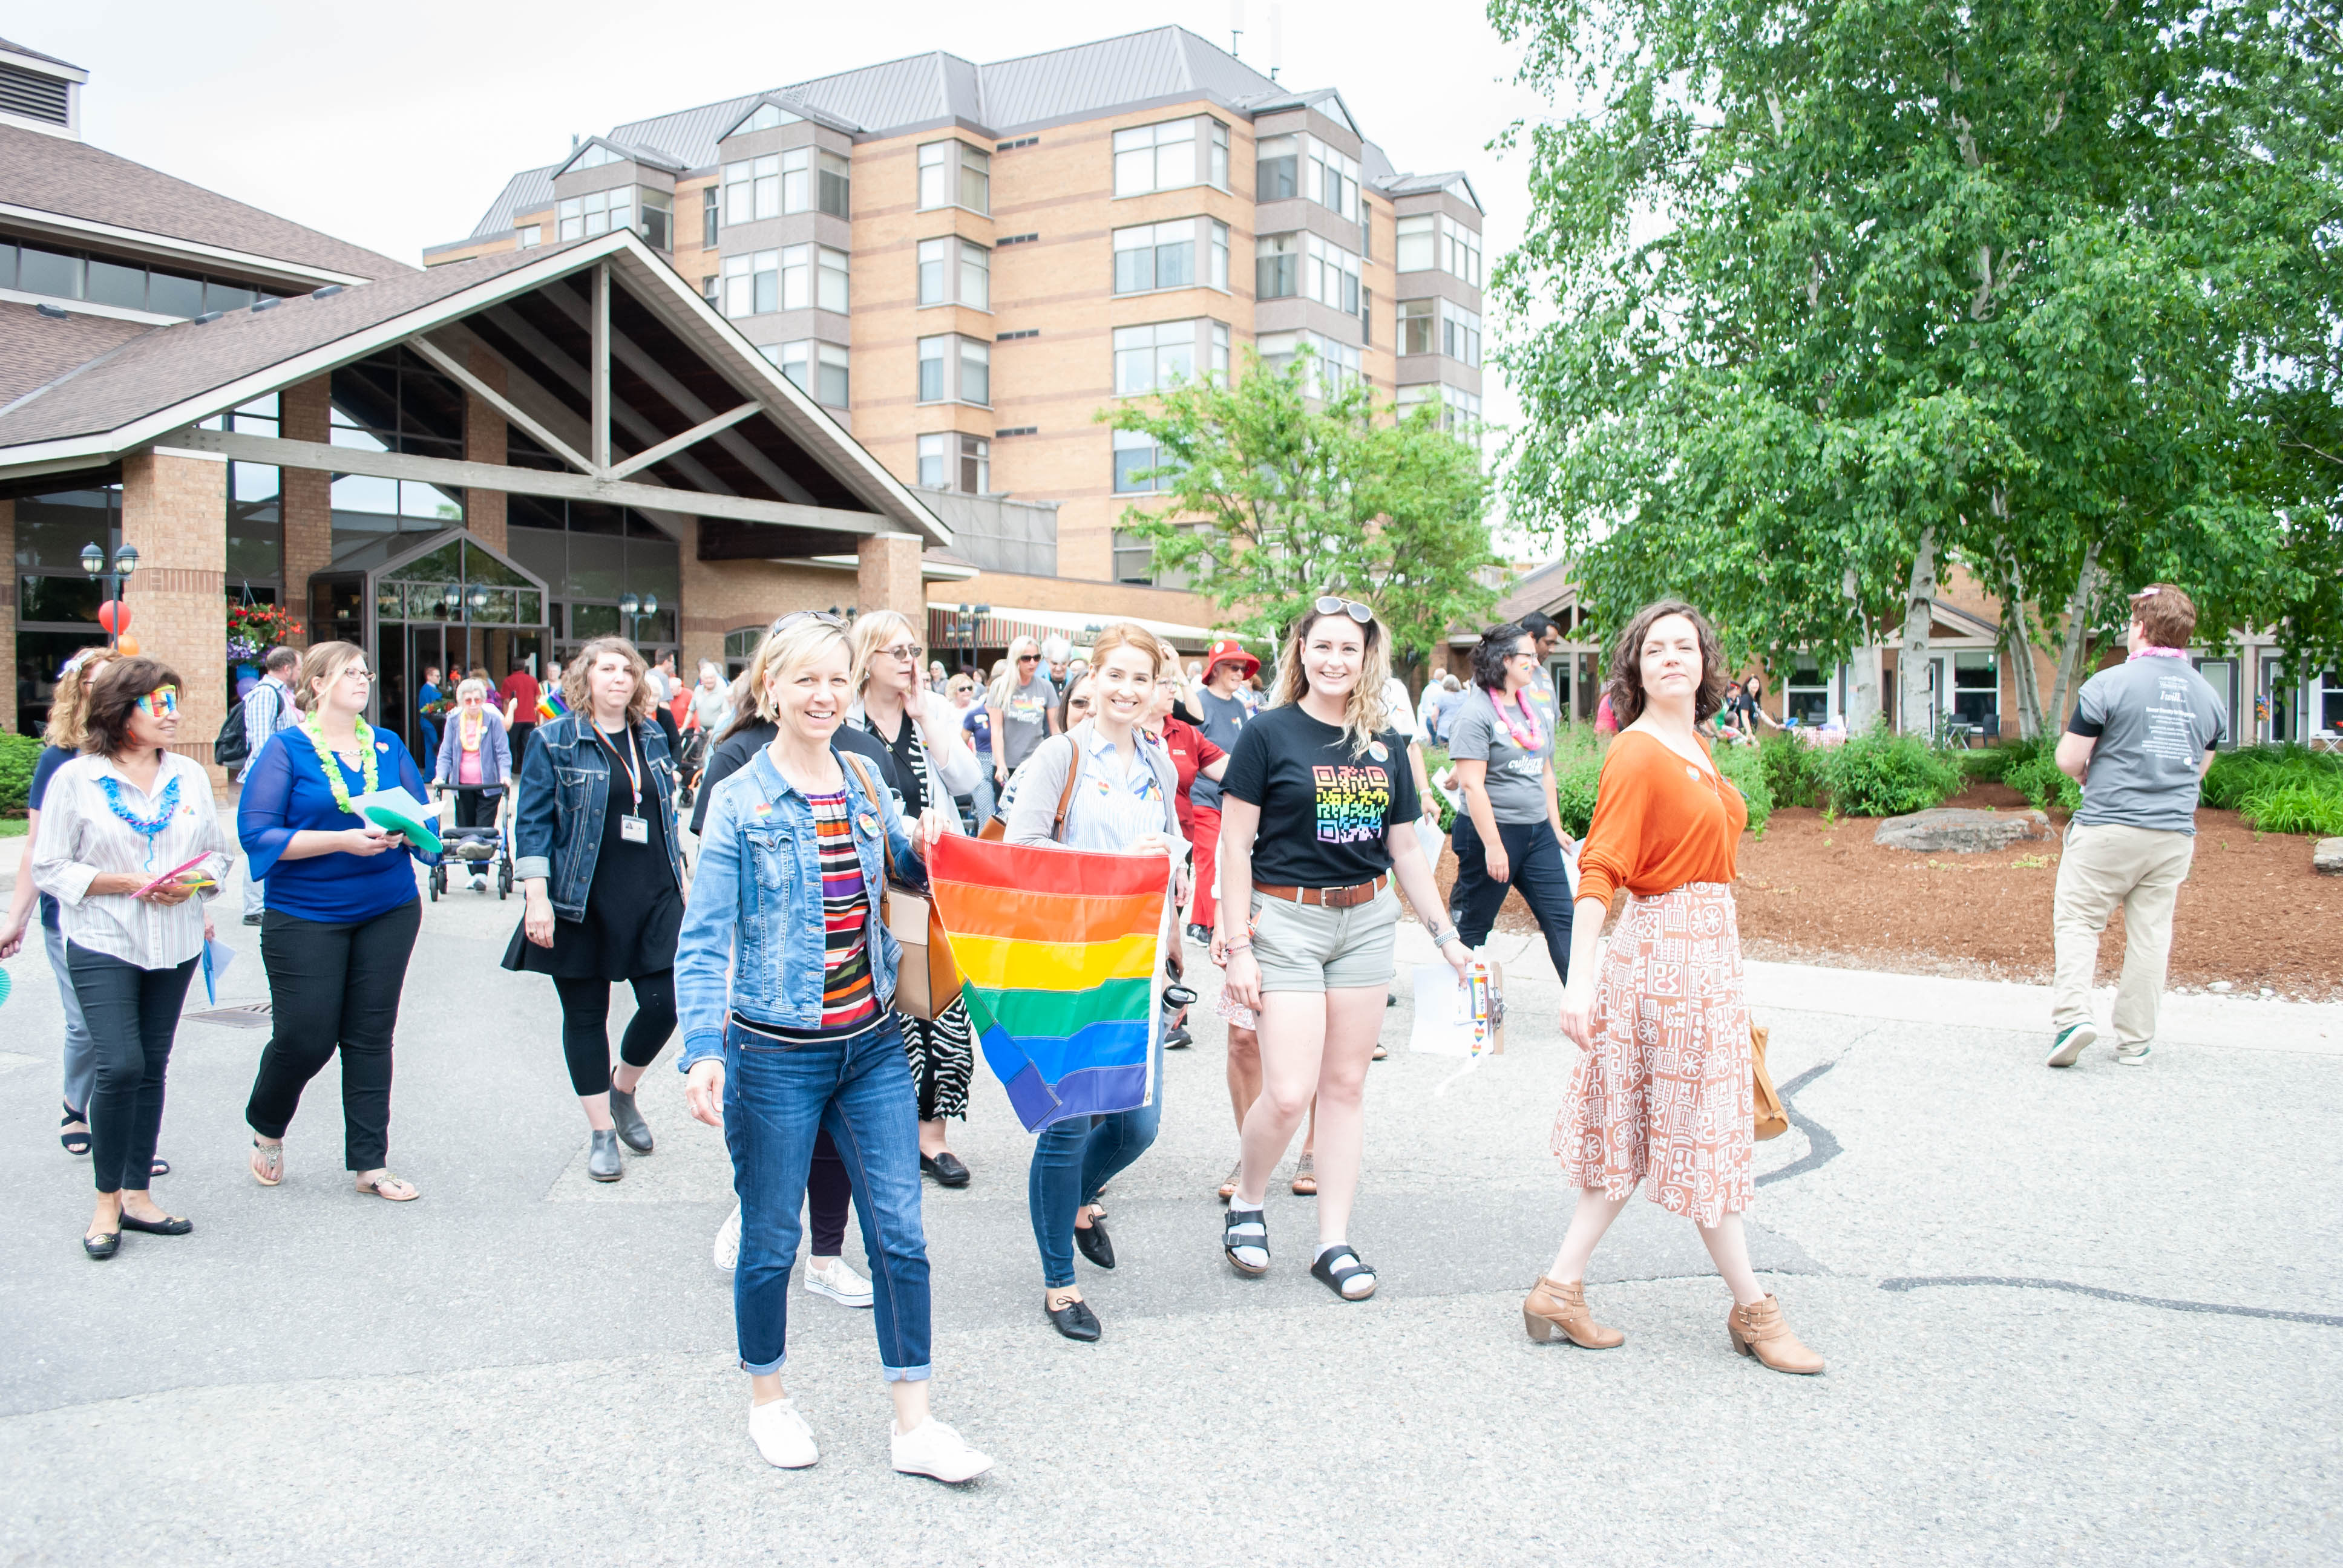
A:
{"x":2252,"y":914}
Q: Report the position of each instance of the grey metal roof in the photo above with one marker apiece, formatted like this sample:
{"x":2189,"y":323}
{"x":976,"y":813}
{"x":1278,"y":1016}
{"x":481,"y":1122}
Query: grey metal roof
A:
{"x":788,"y":105}
{"x":36,"y":54}
{"x":1419,"y":185}
{"x":525,"y":192}
{"x":635,"y":152}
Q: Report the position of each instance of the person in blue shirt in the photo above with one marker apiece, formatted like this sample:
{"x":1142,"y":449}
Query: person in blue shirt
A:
{"x":427,"y":697}
{"x":341,"y":918}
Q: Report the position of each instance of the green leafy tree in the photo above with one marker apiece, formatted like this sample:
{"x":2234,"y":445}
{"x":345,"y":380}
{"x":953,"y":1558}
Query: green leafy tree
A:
{"x":1269,"y":496}
{"x":1821,"y":297}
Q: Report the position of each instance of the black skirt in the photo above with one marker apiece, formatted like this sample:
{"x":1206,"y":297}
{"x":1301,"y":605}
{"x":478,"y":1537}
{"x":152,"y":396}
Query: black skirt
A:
{"x":634,"y":911}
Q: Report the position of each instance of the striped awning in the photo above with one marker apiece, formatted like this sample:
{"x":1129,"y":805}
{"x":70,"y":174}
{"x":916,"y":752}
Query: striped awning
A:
{"x":1004,"y":625}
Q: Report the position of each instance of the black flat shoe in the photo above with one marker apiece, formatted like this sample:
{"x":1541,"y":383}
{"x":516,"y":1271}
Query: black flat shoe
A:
{"x":168,"y":1225}
{"x":103,"y":1246}
{"x":1095,"y":1243}
{"x":1075,"y":1320}
{"x":946,"y":1168}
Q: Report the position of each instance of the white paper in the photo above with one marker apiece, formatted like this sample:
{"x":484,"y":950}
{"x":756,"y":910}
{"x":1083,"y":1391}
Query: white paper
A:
{"x":1434,"y":841}
{"x":1443,"y":1015}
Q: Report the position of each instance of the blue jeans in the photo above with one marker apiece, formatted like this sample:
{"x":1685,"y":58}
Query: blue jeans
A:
{"x":1072,"y":1161}
{"x":777,"y":1097}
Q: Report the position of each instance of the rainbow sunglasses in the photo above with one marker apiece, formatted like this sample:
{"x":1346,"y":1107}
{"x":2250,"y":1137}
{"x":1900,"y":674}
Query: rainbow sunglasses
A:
{"x":163,"y":699}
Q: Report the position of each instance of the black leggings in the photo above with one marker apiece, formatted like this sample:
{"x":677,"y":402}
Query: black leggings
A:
{"x":585,"y":1027}
{"x":334,"y":987}
{"x":132,"y":1015}
{"x":827,"y":1190}
{"x":1535,"y":873}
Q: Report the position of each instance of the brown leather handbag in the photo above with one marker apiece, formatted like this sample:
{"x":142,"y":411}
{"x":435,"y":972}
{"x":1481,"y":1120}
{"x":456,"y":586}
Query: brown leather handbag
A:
{"x":996,"y":829}
{"x":927,"y":980}
{"x":1771,"y":1119}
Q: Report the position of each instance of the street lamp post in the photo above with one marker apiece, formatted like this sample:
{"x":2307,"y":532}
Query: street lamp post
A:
{"x":126,"y":561}
{"x":634,"y":612}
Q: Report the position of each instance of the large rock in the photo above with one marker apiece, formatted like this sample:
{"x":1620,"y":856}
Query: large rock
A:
{"x":1961,"y":832}
{"x":2327,"y":857}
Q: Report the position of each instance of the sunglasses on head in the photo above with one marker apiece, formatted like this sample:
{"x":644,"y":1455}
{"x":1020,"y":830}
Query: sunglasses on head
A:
{"x":820,"y":617}
{"x":1329,"y":605}
{"x":163,"y":699}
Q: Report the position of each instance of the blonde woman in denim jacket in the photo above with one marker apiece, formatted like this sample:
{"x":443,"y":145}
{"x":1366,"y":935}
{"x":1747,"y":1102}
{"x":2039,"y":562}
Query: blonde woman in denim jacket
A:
{"x":785,"y":974}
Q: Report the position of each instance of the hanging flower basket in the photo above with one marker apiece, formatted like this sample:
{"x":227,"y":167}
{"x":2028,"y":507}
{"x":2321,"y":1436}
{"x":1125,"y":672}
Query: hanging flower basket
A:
{"x":254,"y":629}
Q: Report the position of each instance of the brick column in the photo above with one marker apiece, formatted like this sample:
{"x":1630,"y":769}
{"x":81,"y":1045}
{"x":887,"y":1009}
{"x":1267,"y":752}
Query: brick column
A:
{"x":307,"y":495}
{"x":175,"y":511}
{"x":8,"y":621}
{"x":484,"y":442}
{"x":888,"y":578}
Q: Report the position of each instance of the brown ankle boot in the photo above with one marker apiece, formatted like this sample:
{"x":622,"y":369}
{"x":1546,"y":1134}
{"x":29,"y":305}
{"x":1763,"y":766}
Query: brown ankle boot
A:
{"x":1554,"y":1311}
{"x":1761,"y":1331}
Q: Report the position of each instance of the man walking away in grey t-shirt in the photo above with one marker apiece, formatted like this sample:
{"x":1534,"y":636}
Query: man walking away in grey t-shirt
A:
{"x":2142,"y":736}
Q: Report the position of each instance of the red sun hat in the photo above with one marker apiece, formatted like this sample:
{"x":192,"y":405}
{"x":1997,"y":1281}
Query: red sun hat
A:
{"x":1228,"y":651}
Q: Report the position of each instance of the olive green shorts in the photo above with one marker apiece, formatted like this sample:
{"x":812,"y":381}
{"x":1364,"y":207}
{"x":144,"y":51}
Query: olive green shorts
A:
{"x":1309,"y":947}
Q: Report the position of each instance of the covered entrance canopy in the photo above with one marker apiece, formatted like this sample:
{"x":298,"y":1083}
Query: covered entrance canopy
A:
{"x":560,"y":435}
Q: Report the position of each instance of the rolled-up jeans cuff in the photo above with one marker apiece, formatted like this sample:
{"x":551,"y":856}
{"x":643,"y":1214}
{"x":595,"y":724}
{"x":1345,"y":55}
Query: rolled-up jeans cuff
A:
{"x":905,"y":1374}
{"x":768,"y":1369}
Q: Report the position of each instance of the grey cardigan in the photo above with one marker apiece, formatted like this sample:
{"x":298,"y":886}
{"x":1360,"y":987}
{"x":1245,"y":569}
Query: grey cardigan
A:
{"x":1040,"y":780}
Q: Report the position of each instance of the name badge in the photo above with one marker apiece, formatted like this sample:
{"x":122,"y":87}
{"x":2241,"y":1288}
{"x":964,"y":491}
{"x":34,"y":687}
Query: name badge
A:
{"x":634,"y":830}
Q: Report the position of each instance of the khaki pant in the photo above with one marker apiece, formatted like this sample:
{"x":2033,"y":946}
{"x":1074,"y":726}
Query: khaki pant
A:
{"x":2104,"y":866}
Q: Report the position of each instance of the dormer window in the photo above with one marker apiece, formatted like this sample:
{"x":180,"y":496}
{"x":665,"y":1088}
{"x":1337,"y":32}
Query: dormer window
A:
{"x":767,"y":118}
{"x":594,"y":157}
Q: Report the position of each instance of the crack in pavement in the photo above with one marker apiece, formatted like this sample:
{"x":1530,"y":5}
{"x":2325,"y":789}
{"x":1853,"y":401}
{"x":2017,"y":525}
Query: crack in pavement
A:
{"x":1925,"y":1281}
{"x":1822,"y":1147}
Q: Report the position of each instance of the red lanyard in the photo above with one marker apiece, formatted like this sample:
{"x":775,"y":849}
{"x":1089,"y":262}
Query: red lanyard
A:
{"x":627,"y":760}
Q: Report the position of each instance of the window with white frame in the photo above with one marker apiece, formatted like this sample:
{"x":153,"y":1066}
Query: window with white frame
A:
{"x":797,"y":278}
{"x":1333,"y":364}
{"x":1151,"y":255}
{"x":830,"y":291}
{"x":1416,"y":326}
{"x":819,"y":367}
{"x":657,"y":208}
{"x":1152,"y":357}
{"x":1331,"y":179}
{"x":955,"y":369}
{"x":955,"y":271}
{"x":834,"y":184}
{"x":952,"y":461}
{"x":1166,"y":156}
{"x":1460,"y":250}
{"x":711,"y":214}
{"x":1277,"y":168}
{"x":975,"y":276}
{"x":595,"y":157}
{"x":1276,"y":265}
{"x":596,"y":212}
{"x":752,"y":283}
{"x":1329,"y":275}
{"x":1417,"y":248}
{"x":1460,"y":333}
{"x":1459,"y":409}
{"x":1135,"y":453}
{"x":529,"y":235}
{"x":953,"y":173}
{"x":752,"y":190}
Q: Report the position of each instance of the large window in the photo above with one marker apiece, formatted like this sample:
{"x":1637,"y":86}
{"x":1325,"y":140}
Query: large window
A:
{"x":1168,"y":157}
{"x":955,"y":369}
{"x":1977,"y":689}
{"x":1302,"y":165}
{"x":658,"y":218}
{"x":597,"y":212}
{"x":1165,"y":256}
{"x":393,"y":402}
{"x":1333,"y":364}
{"x":1416,"y":326}
{"x":955,"y":271}
{"x":1277,"y":266}
{"x":1276,"y":169}
{"x":953,"y":173}
{"x":592,"y":556}
{"x":1460,"y":250}
{"x":256,"y":516}
{"x":1434,"y":240}
{"x":1459,"y":409}
{"x":72,"y":275}
{"x":952,"y":461}
{"x":813,"y":276}
{"x":834,"y":184}
{"x":752,"y":283}
{"x":1151,"y":358}
{"x":1329,"y":275}
{"x":819,"y":367}
{"x":1460,"y":333}
{"x":752,"y":190}
{"x":1418,"y":245}
{"x":1135,"y":452}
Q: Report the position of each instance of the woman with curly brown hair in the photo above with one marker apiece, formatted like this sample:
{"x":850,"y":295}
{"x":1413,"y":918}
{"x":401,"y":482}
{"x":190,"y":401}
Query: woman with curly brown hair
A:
{"x":1662,"y":1093}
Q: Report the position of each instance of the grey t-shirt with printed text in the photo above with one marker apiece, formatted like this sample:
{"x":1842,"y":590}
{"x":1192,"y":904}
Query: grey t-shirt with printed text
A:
{"x":2154,"y":719}
{"x":1516,"y":773}
{"x":1024,"y":720}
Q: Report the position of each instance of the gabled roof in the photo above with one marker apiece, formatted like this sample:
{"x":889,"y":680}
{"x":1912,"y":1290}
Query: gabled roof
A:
{"x":794,"y":108}
{"x":619,"y":152}
{"x":8,"y":48}
{"x":1425,"y":184}
{"x":45,"y":175}
{"x":1327,"y":101}
{"x":35,"y":349}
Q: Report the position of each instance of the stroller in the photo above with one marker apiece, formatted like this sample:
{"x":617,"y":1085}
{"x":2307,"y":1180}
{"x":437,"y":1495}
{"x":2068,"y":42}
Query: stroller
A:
{"x":473,"y":847}
{"x":691,"y":764}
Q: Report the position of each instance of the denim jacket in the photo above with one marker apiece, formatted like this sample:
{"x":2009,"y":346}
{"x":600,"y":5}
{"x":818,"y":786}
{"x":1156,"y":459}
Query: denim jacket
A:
{"x":565,"y":793}
{"x":756,"y":905}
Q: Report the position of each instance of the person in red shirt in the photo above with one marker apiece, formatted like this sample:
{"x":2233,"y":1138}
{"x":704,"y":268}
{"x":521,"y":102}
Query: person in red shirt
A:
{"x":521,"y":692}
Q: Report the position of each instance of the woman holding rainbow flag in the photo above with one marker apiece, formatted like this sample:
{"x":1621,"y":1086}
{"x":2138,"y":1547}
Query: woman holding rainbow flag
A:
{"x":785,"y":972}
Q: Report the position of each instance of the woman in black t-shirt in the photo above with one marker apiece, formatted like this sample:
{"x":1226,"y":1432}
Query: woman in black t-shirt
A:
{"x":1317,"y":817}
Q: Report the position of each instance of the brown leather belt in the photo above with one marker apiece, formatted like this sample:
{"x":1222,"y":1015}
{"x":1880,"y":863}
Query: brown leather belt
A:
{"x":1331,"y":898}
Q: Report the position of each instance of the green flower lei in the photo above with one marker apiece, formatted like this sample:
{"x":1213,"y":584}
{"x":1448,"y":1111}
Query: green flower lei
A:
{"x":325,"y":758}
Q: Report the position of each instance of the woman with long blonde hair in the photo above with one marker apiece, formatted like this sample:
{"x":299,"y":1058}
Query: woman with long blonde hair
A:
{"x":1317,"y":819}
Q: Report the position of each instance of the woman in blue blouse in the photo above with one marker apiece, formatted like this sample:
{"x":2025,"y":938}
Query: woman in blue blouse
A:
{"x":341,"y":917}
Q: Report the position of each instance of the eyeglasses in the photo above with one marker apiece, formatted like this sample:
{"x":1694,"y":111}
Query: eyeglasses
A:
{"x":1329,"y":605}
{"x":163,"y":699}
{"x":360,"y":670}
{"x":911,"y":652}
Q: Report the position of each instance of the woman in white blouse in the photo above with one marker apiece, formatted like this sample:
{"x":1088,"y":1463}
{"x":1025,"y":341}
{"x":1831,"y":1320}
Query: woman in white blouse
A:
{"x":130,"y":840}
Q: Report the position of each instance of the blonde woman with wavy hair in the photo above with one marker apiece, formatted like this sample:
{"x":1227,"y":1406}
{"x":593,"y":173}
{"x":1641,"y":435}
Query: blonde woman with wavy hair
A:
{"x":1317,"y":820}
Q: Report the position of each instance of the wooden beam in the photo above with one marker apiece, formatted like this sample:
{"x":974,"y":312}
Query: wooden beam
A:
{"x":693,"y":436}
{"x":450,"y":366}
{"x":598,"y":369}
{"x":450,"y":473}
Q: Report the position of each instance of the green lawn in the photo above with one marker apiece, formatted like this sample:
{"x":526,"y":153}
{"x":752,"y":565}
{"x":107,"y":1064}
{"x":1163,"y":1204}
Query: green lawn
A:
{"x":13,"y":826}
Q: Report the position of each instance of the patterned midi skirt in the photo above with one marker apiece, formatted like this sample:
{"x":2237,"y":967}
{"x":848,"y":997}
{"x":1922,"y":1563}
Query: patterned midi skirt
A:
{"x":1665,"y":1095}
{"x":942,"y":1055}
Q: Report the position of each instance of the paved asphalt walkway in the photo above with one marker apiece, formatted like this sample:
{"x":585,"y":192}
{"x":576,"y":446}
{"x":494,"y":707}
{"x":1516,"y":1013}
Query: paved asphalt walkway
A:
{"x":2081,"y":1317}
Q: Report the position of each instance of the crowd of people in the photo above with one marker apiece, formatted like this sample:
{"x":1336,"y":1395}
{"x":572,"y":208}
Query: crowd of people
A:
{"x":1292,"y":824}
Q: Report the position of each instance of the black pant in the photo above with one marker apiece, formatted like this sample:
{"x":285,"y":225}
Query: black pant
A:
{"x":827,"y":1190}
{"x":132,"y":1015}
{"x":334,"y":986}
{"x":517,"y":741}
{"x":585,"y":1027}
{"x":476,"y":809}
{"x":1535,"y":871}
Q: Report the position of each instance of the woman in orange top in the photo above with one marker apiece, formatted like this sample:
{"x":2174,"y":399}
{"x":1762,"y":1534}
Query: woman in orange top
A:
{"x":1662,"y":1090}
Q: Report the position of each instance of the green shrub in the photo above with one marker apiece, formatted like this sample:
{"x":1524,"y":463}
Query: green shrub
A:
{"x":1574,"y":782}
{"x":19,"y":753}
{"x":1789,"y":768}
{"x":2037,"y":777}
{"x":2255,"y":770}
{"x":1883,"y":775}
{"x":2297,"y":806}
{"x":1743,"y":768}
{"x":1992,"y":762}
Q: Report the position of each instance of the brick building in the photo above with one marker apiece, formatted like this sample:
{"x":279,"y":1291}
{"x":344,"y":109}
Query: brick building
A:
{"x":470,"y":465}
{"x":966,"y":262}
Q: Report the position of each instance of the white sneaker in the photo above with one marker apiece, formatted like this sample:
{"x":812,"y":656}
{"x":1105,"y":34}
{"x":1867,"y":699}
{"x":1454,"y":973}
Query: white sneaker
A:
{"x":932,"y":1448}
{"x":782,"y":1436}
{"x":480,"y":881}
{"x":728,"y":1241}
{"x":838,"y":1281}
{"x":2135,"y":1055}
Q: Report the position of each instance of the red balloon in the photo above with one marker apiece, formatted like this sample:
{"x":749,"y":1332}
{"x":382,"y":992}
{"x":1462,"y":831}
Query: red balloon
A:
{"x":115,"y":617}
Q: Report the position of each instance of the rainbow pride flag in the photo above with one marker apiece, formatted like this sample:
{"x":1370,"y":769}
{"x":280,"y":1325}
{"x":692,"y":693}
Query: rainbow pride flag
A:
{"x":550,"y":704}
{"x":1059,"y":949}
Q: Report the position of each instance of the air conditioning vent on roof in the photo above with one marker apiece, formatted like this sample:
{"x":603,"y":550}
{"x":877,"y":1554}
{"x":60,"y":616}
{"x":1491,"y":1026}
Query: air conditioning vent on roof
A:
{"x":35,"y":97}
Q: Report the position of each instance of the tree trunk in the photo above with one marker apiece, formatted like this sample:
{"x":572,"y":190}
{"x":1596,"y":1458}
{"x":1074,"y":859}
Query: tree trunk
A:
{"x":2018,"y":648}
{"x":1863,"y":664}
{"x":2078,"y":635}
{"x":1912,"y":711}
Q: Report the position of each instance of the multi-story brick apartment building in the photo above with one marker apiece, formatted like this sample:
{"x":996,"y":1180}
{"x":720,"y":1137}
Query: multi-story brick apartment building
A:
{"x":966,"y":262}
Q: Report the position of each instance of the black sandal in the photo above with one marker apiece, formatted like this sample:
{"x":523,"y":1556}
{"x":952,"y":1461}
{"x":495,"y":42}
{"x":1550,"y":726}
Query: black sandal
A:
{"x":75,"y":1143}
{"x":1253,"y":1220}
{"x":1336,"y":1272}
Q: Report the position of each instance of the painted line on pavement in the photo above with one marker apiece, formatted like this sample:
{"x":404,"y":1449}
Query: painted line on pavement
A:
{"x":1928,"y":1280}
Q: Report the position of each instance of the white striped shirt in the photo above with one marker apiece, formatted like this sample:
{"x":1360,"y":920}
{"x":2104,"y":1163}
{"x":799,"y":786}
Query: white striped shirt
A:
{"x":82,"y":838}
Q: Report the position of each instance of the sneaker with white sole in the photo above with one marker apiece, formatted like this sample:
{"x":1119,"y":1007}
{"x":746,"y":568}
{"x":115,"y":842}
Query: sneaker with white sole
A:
{"x":839,"y":1281}
{"x":2072,"y":1042}
{"x":2135,"y":1055}
{"x":782,"y":1436}
{"x":932,"y":1448}
{"x":727,"y":1251}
